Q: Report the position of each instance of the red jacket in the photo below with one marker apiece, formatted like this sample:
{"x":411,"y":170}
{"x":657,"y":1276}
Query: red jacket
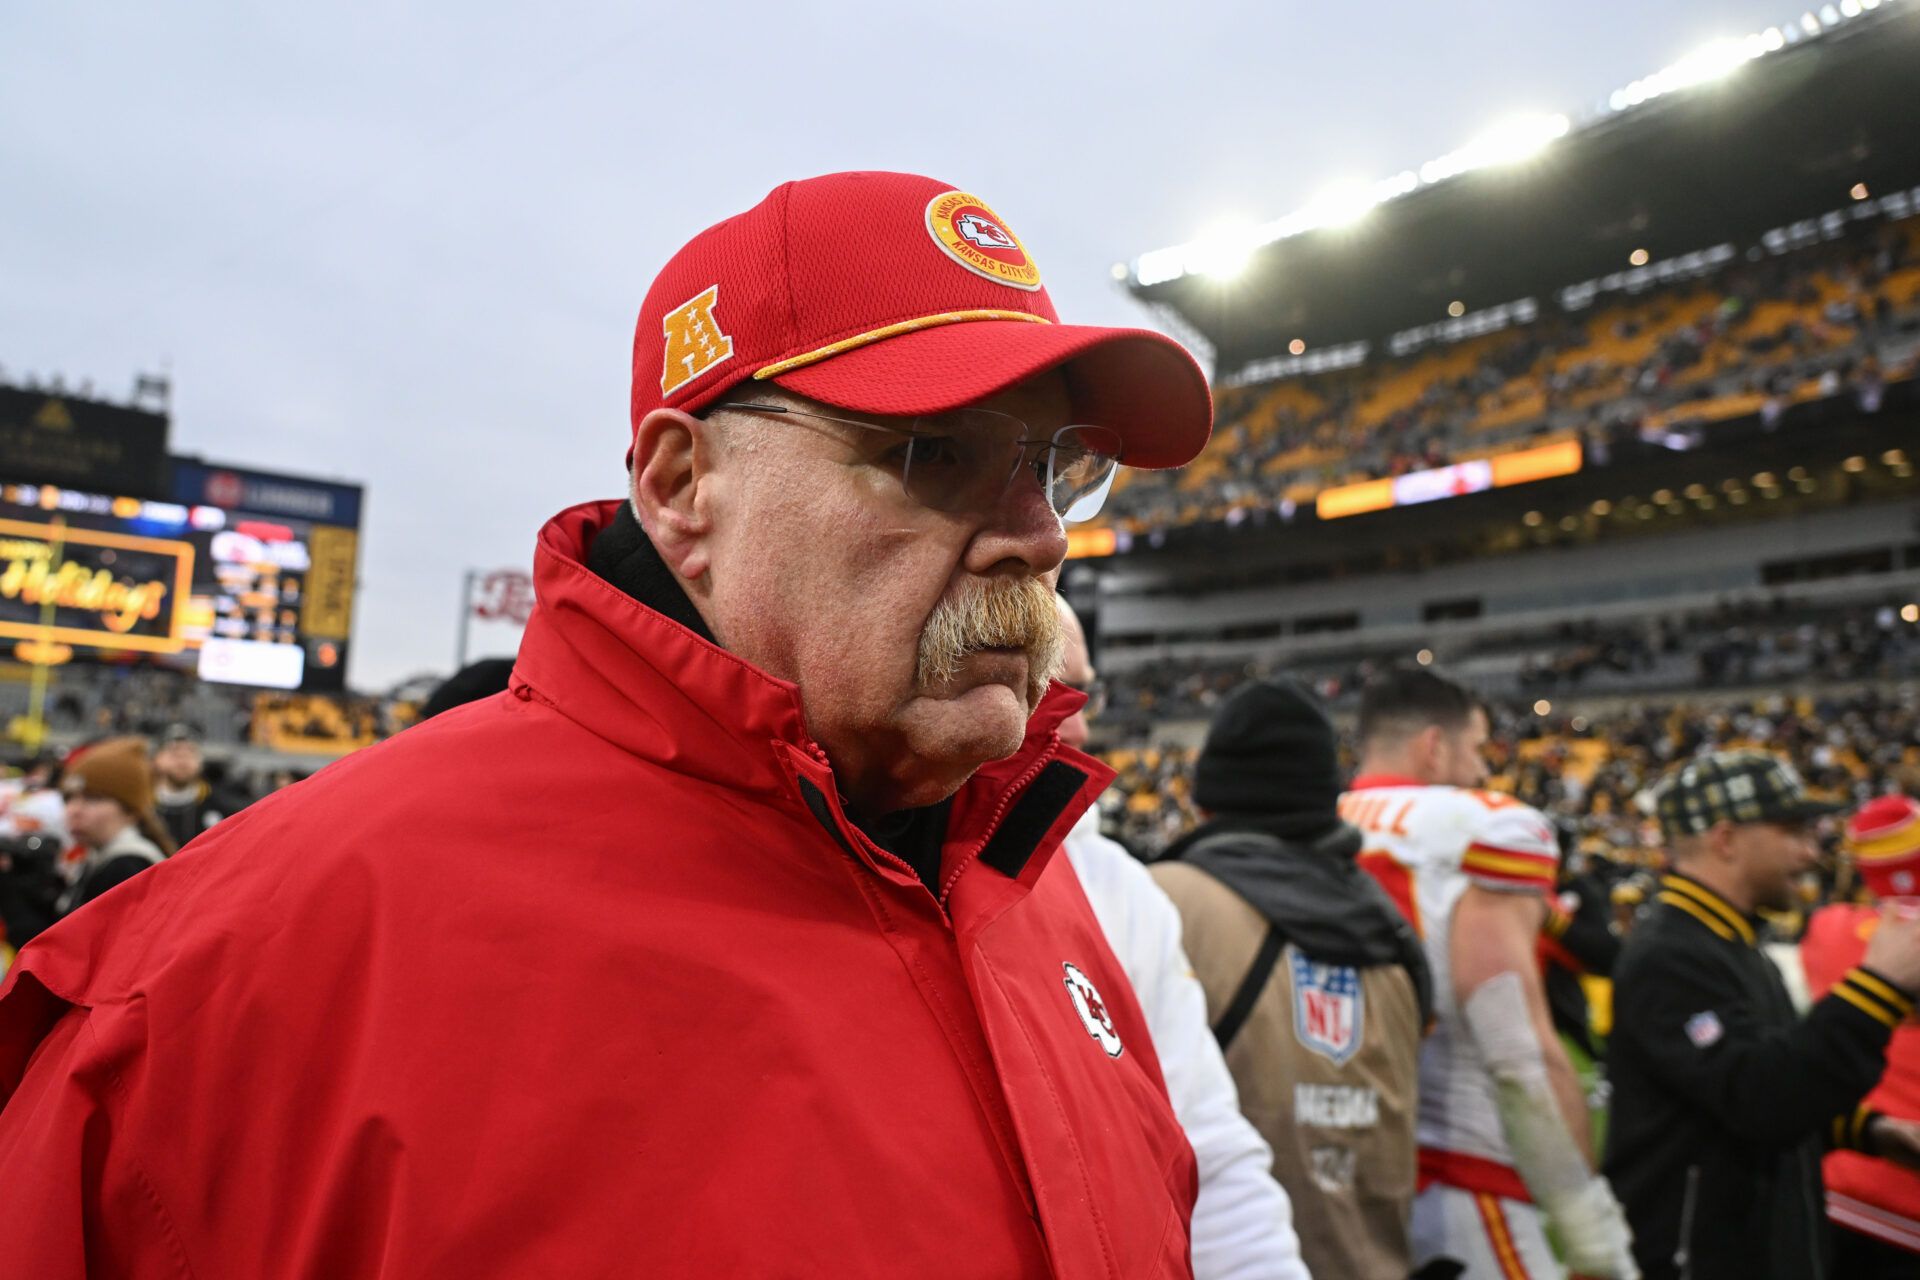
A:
{"x":1872,"y":1196}
{"x":593,"y":978}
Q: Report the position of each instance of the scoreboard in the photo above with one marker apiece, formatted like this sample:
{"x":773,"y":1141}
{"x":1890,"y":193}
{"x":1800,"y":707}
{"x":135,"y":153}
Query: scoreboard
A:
{"x":245,"y":577}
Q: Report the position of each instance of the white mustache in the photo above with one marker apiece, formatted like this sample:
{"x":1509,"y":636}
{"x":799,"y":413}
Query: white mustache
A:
{"x":1000,"y":612}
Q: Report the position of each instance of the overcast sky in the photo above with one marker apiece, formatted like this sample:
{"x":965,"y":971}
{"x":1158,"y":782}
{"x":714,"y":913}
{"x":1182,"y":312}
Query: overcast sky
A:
{"x":404,"y":243}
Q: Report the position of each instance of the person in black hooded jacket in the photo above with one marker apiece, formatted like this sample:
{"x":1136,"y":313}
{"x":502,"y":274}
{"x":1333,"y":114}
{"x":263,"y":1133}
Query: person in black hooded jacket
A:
{"x":1316,"y":986}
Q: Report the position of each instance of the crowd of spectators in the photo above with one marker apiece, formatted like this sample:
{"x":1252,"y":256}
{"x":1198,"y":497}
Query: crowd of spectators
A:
{"x":1752,"y":338}
{"x":1729,"y":647}
{"x":1588,"y":771}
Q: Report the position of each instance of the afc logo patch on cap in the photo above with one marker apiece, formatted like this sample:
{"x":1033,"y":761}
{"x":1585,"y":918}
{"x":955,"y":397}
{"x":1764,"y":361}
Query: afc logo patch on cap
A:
{"x":695,"y":343}
{"x":1093,"y":1012}
{"x":974,"y":236}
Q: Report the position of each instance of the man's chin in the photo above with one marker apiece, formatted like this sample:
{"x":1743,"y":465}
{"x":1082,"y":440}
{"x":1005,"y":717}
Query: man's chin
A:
{"x":966,"y":729}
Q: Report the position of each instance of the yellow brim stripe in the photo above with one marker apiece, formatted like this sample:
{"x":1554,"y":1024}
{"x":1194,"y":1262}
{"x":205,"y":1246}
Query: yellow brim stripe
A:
{"x":892,"y":331}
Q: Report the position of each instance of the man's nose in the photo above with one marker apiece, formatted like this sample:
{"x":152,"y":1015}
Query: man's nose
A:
{"x":1022,"y":527}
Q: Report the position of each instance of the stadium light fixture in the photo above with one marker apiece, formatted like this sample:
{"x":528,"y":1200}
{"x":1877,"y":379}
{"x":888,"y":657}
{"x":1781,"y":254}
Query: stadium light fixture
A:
{"x":1510,"y":141}
{"x":1425,"y":656}
{"x":1223,"y":253}
{"x":1514,"y":139}
{"x":1855,"y":464}
{"x":1532,"y":519}
{"x":1858,"y":191}
{"x":1602,"y":507}
{"x":1639,"y":257}
{"x":1456,"y":308}
{"x":1543,"y":708}
{"x":1910,"y":613}
{"x":1120,"y":271}
{"x":1298,"y":347}
{"x":1342,"y":204}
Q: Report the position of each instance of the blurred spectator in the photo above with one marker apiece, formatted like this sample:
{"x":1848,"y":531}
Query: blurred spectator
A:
{"x":33,"y":834}
{"x":1874,"y":1208}
{"x":1280,"y":919}
{"x":109,"y":790}
{"x":184,"y":798}
{"x":1723,"y":1096}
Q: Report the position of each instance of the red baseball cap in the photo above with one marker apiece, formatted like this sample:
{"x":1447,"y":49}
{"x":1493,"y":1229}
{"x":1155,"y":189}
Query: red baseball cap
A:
{"x":1884,"y":838}
{"x":896,"y":295}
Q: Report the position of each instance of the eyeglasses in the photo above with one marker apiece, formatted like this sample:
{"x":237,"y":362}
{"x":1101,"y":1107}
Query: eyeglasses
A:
{"x":966,"y":460}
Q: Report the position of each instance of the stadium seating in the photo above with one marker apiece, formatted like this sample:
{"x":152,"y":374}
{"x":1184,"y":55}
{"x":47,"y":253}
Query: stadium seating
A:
{"x":1782,"y":330}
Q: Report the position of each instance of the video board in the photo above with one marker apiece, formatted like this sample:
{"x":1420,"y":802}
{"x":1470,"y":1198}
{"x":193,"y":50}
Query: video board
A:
{"x":248,"y":579}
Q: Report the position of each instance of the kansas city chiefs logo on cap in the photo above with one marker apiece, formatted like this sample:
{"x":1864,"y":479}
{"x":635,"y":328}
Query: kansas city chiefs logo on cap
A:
{"x":974,"y":236}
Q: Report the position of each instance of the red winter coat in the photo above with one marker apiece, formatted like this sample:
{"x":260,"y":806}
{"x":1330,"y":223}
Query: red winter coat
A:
{"x":1870,"y":1196}
{"x":593,"y":979}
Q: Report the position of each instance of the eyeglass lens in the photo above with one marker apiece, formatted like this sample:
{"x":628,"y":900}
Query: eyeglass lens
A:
{"x":966,"y":460}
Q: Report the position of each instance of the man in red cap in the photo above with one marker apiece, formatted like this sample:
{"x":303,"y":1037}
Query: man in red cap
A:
{"x":787,"y":993}
{"x":1874,"y":1205}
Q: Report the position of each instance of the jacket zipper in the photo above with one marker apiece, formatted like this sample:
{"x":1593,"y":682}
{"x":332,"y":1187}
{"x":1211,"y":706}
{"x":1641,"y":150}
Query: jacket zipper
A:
{"x":1683,"y":1252}
{"x":1007,"y":798}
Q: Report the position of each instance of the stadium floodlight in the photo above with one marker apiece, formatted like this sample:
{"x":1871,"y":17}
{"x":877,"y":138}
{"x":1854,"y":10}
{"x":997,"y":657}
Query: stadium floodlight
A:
{"x":1224,"y":251}
{"x":1513,"y":140}
{"x":1510,"y":141}
{"x":1341,"y":205}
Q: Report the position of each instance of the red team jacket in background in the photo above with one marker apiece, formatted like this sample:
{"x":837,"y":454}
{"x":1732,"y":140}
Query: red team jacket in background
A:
{"x":1873,"y":1197}
{"x":593,"y":979}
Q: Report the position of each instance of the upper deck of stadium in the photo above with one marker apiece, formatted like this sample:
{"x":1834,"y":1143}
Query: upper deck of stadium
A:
{"x":1751,"y":139}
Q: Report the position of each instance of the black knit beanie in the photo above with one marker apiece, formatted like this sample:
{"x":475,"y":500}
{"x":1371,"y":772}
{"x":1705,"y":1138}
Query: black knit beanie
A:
{"x":1271,"y":751}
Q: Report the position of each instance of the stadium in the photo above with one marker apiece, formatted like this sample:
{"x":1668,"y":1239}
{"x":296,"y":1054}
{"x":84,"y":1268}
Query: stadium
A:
{"x":1613,"y":421}
{"x":1505,"y":863}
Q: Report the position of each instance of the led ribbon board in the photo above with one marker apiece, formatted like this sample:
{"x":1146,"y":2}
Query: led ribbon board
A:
{"x":1523,"y":466}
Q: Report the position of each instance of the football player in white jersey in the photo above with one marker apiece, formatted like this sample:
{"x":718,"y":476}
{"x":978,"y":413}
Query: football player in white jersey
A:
{"x":1504,"y":1143}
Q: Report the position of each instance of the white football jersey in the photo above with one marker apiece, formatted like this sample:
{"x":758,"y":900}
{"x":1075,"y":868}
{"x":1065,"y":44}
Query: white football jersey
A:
{"x":1426,"y":845}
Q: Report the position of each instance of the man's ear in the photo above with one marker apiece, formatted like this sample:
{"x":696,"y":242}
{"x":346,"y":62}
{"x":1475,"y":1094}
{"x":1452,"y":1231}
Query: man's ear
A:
{"x":1722,"y":836}
{"x":1427,"y":747}
{"x":672,"y":476}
